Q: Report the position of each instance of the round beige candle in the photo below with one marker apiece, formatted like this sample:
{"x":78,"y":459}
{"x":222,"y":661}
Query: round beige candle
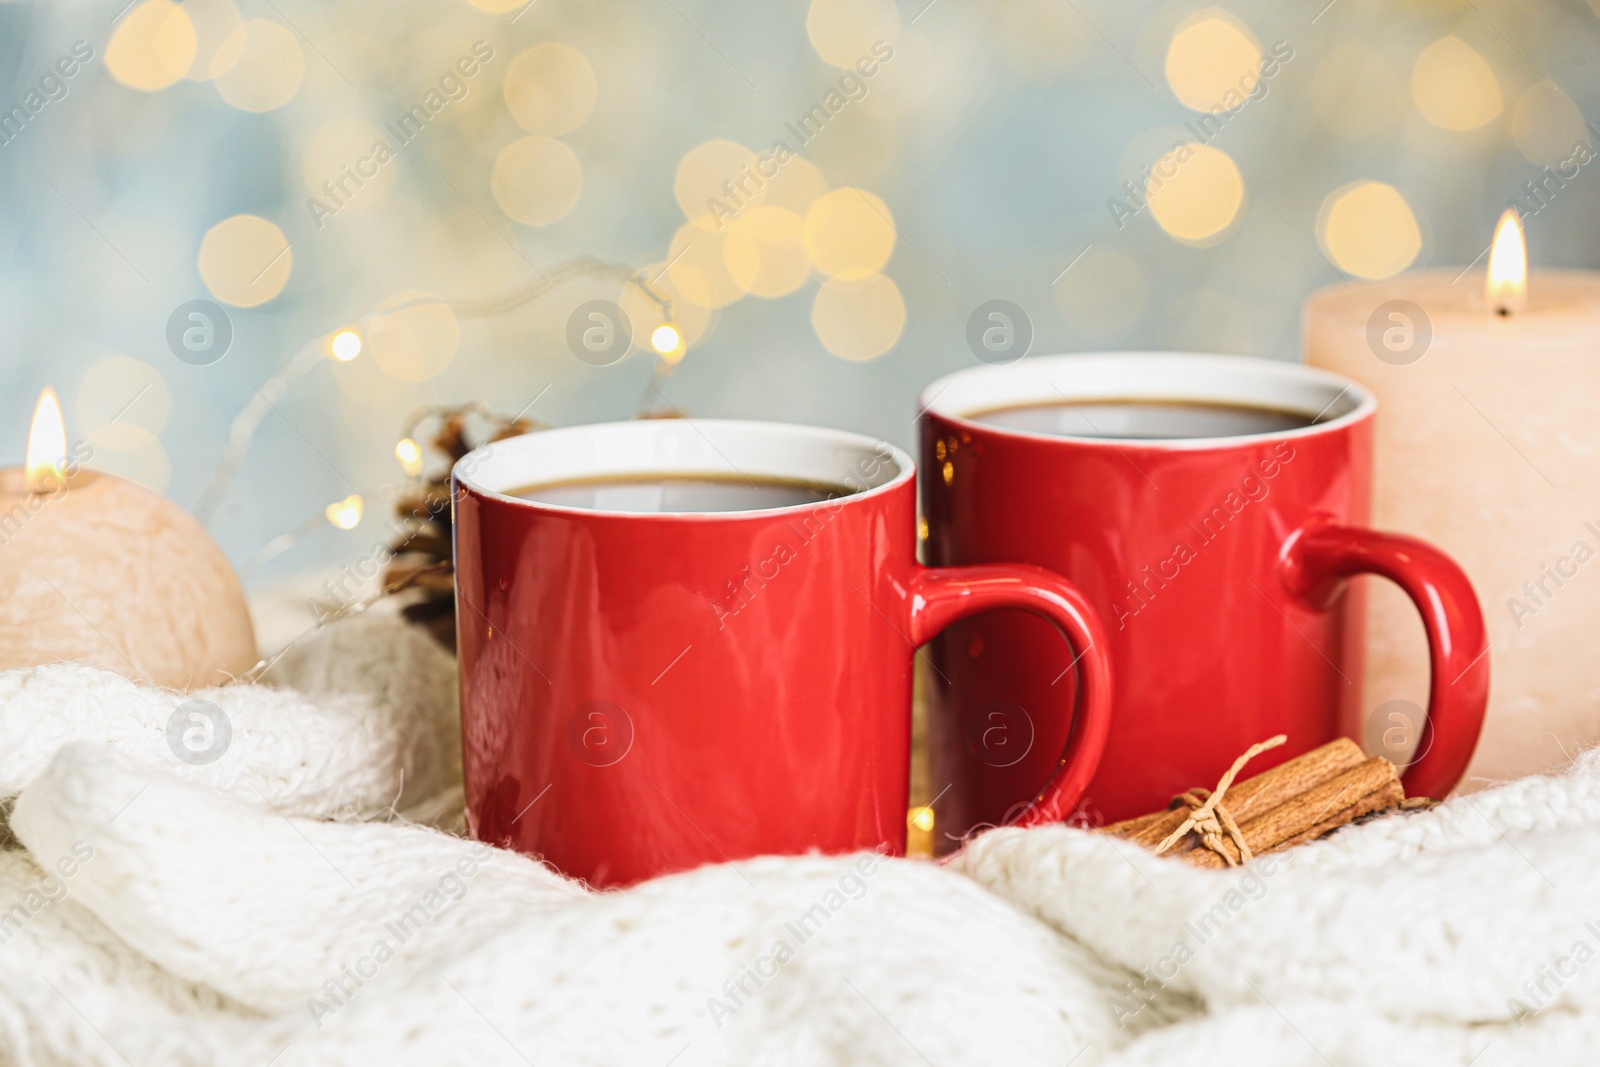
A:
{"x":96,"y":570}
{"x":1488,"y":445}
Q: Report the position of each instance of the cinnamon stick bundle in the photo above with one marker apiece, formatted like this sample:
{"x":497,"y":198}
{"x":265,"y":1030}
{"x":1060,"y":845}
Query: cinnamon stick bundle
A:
{"x":1297,"y":801}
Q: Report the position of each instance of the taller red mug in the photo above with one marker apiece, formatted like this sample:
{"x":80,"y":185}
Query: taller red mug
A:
{"x":1218,"y":564}
{"x":646,"y":692}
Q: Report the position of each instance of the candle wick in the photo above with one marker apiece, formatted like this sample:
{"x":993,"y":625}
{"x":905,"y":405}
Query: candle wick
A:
{"x":1503,"y":311}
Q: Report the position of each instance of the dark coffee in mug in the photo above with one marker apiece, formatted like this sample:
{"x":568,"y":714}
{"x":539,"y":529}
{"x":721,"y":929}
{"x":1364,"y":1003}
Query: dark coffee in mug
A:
{"x":1151,"y":420}
{"x":673,"y":494}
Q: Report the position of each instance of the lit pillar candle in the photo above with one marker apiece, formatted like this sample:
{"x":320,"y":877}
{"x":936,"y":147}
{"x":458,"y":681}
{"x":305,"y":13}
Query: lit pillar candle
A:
{"x":96,"y":570}
{"x":1488,"y":445}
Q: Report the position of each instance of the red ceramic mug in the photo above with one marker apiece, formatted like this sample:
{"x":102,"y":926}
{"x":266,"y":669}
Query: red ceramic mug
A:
{"x":1218,"y":564}
{"x":646,"y":692}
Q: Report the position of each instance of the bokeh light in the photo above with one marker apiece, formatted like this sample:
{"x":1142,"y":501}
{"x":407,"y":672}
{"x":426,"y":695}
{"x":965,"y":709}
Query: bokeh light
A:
{"x":699,"y":268}
{"x":1547,"y":126}
{"x":692,"y":321}
{"x":261,"y":66}
{"x":214,"y":23}
{"x":667,"y":341}
{"x":858,"y":318}
{"x":716,"y":180}
{"x":1195,"y":192}
{"x":1454,"y":87}
{"x":849,"y":233}
{"x":413,"y":336}
{"x":550,"y":88}
{"x":152,"y":47}
{"x":846,"y":31}
{"x":1213,"y":61}
{"x":409,"y":453}
{"x":345,"y":346}
{"x":245,"y":260}
{"x":123,"y":404}
{"x":537,"y":180}
{"x":765,"y":251}
{"x":1369,"y":230}
{"x":346,"y":513}
{"x":796,"y":186}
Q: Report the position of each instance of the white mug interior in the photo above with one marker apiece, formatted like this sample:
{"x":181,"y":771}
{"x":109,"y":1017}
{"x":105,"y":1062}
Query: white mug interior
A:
{"x":684,"y":448}
{"x":1326,"y":400}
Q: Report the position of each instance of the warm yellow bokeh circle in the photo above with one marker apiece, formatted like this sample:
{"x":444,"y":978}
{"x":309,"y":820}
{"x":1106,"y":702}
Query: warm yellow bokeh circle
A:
{"x":849,"y":233}
{"x":537,"y":180}
{"x":859,"y":318}
{"x":152,"y":47}
{"x":1213,"y":61}
{"x":765,"y":251}
{"x":550,"y":88}
{"x":716,"y":180}
{"x":1369,"y":230}
{"x":245,"y":260}
{"x":844,"y":32}
{"x":1195,"y":192}
{"x":698,"y":267}
{"x":415,"y":340}
{"x":261,"y":66}
{"x":1454,"y":87}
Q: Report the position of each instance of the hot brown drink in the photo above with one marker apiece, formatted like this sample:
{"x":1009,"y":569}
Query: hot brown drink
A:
{"x":679,"y":493}
{"x":1154,"y":420}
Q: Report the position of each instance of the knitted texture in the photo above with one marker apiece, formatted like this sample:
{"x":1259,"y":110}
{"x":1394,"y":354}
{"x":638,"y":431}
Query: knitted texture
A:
{"x":270,"y":908}
{"x":369,"y":724}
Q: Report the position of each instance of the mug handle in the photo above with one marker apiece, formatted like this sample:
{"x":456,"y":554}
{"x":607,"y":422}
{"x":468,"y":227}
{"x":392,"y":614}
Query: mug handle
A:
{"x":1314,"y":563}
{"x":940,"y":596}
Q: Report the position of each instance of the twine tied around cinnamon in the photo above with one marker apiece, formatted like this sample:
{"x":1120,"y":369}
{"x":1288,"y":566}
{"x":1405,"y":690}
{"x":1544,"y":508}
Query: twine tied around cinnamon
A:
{"x":1208,"y":818}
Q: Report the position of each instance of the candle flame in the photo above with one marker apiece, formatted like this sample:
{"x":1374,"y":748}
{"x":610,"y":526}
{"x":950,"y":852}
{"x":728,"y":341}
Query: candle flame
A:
{"x":1506,"y":287}
{"x":47,"y":444}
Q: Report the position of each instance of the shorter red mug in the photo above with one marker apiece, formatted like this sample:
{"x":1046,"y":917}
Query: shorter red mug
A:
{"x":646,"y":691}
{"x":1219,"y":564}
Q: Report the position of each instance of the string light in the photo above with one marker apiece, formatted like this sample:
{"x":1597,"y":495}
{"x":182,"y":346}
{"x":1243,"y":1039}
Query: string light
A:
{"x":667,"y":341}
{"x":345,"y":346}
{"x":409,"y":453}
{"x":346,"y":513}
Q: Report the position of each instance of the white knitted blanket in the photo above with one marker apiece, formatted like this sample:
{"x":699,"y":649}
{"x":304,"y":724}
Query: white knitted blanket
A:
{"x":270,"y":907}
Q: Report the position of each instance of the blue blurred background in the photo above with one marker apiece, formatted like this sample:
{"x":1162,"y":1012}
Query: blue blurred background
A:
{"x":1175,"y":175}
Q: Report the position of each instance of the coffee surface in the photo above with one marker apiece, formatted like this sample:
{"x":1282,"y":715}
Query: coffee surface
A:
{"x":1144,"y":419}
{"x":671,"y":494}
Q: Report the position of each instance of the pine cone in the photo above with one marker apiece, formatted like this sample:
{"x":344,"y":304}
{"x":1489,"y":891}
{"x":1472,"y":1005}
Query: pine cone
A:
{"x":422,"y":559}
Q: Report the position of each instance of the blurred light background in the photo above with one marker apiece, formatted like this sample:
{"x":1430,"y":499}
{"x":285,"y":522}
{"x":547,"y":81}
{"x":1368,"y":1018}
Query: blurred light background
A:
{"x":1175,"y":175}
